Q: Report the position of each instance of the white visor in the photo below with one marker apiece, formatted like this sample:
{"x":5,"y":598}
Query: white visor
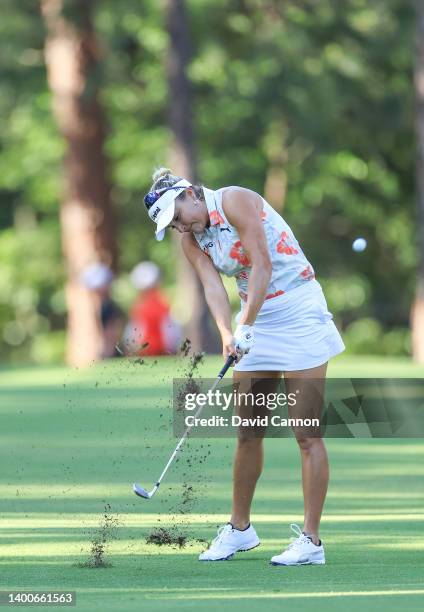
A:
{"x":163,"y":210}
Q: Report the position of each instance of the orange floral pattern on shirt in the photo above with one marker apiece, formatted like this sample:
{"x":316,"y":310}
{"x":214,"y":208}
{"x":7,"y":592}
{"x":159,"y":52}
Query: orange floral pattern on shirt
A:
{"x":243,"y":295}
{"x":237,"y":252}
{"x":308,"y":273}
{"x":284,"y":247}
{"x":216,"y":218}
{"x":273,"y":295}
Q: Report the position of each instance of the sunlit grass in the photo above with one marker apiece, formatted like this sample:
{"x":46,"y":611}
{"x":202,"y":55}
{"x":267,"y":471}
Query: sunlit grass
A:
{"x":306,"y":594}
{"x":34,"y":521}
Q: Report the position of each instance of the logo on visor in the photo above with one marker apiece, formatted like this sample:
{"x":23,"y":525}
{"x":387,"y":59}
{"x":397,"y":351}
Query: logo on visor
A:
{"x":155,"y":213}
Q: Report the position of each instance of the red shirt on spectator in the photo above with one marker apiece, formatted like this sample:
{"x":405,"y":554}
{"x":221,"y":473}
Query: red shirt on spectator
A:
{"x":150,"y":314}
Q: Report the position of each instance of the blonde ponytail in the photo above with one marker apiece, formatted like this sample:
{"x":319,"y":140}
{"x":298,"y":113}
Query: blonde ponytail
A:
{"x":163,"y":177}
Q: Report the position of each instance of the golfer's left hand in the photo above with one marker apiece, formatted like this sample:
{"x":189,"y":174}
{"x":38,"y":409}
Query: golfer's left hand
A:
{"x":244,"y":339}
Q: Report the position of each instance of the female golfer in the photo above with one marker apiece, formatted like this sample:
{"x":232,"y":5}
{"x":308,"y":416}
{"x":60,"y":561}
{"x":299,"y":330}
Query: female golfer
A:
{"x":284,"y":328}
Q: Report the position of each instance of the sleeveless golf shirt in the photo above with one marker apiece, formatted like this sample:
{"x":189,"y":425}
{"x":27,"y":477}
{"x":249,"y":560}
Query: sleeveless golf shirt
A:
{"x":221,"y":242}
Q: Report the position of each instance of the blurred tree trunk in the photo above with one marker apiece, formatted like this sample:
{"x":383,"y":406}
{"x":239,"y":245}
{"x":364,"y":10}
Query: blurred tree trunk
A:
{"x":88,"y":229}
{"x":277,"y":156}
{"x":183,"y":163}
{"x":417,"y":312}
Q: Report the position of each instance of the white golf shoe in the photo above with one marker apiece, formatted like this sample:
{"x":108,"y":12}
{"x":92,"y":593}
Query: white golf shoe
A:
{"x":229,"y":541}
{"x":302,"y":551}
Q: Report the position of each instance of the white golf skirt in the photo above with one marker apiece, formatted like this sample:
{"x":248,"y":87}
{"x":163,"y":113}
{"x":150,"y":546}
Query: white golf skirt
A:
{"x":293,"y":331}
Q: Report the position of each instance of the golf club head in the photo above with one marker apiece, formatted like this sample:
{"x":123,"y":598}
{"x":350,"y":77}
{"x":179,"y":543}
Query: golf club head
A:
{"x":138,"y":490}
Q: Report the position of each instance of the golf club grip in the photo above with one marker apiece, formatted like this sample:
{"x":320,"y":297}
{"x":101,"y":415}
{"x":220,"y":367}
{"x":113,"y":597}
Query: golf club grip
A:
{"x":226,"y":365}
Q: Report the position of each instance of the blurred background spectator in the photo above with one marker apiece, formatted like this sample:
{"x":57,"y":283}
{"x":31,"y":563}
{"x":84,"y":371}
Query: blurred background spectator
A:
{"x":98,"y":278}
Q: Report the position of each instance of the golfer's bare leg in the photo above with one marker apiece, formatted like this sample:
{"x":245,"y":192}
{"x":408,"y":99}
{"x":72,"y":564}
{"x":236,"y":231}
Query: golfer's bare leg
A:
{"x":315,"y":471}
{"x":248,"y":460}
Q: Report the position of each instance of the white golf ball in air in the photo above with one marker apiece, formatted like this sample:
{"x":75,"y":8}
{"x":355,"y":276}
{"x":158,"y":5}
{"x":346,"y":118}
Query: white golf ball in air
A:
{"x":359,"y":245}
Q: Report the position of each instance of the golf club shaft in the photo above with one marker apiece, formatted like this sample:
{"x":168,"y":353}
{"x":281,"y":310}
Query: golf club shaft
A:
{"x":220,"y":376}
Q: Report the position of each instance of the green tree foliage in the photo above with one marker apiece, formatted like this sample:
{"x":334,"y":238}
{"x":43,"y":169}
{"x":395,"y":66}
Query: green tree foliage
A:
{"x":327,"y":86}
{"x":31,"y":276}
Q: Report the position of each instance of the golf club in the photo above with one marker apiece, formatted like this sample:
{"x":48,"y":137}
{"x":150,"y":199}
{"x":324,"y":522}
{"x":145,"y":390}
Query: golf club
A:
{"x":141,"y":491}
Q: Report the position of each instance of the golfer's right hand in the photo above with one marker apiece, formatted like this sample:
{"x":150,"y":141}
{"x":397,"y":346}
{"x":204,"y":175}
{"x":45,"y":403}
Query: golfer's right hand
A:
{"x":229,"y":347}
{"x":244,"y":339}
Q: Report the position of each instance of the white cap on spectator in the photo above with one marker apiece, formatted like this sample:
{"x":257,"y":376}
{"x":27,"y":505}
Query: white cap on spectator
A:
{"x":145,"y":275}
{"x":96,"y":276}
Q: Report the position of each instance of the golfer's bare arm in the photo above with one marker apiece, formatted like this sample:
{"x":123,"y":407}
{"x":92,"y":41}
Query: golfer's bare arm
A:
{"x":215,"y":293}
{"x":243,"y":208}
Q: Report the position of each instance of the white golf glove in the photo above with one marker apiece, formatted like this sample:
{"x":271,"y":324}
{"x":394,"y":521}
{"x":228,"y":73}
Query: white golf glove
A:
{"x":244,"y":339}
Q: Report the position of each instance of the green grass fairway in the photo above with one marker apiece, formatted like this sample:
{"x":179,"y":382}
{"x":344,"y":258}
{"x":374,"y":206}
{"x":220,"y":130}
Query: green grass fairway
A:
{"x":73,"y":441}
